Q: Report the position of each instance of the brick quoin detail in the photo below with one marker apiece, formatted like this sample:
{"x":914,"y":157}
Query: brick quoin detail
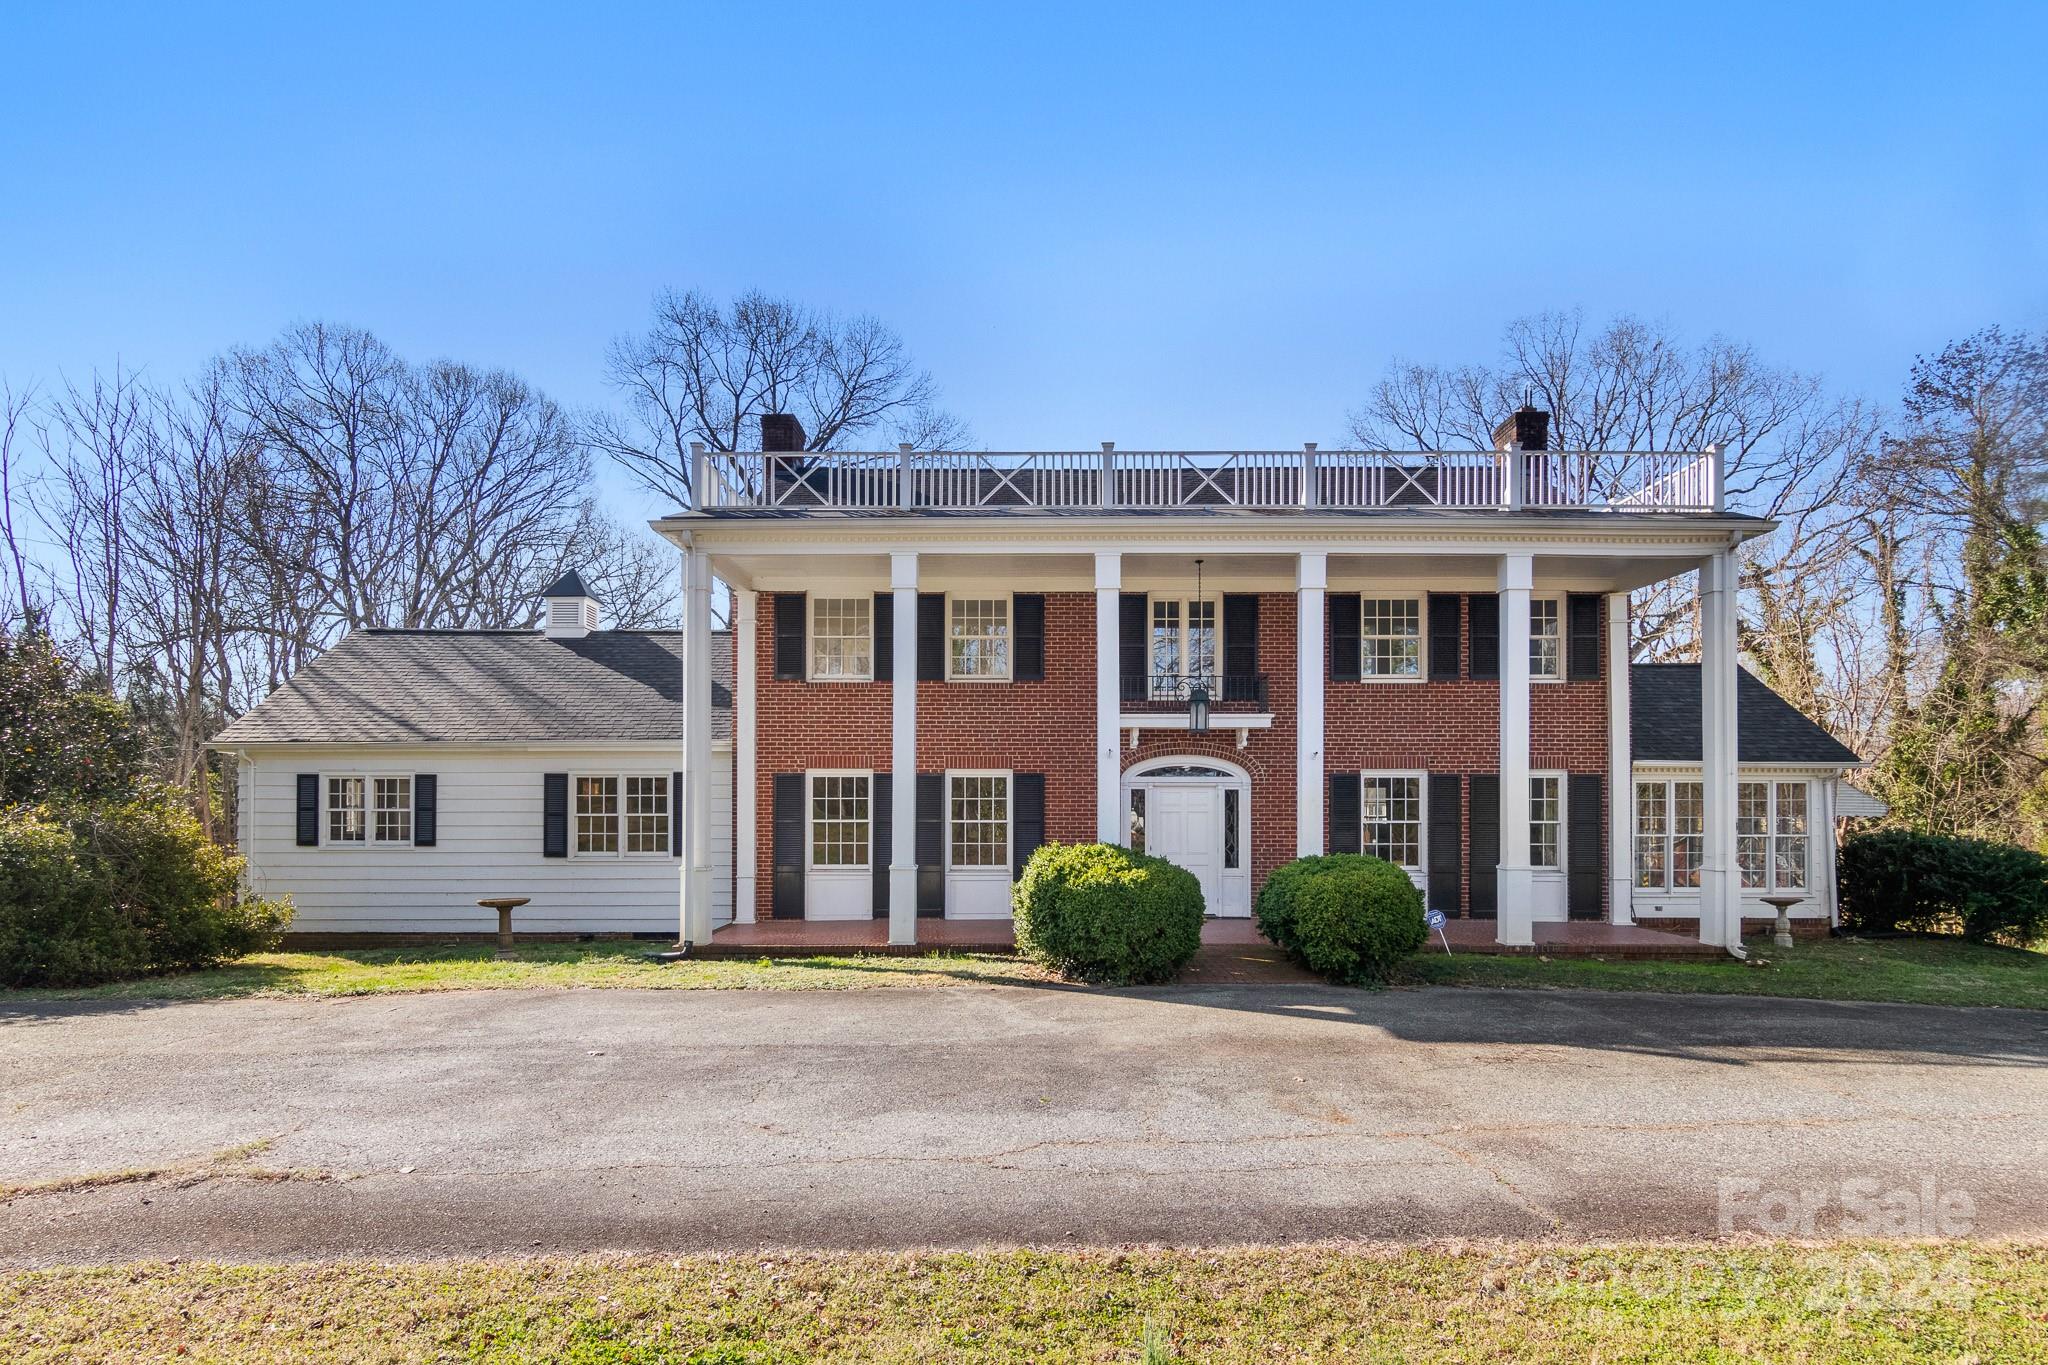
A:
{"x":1049,"y":727}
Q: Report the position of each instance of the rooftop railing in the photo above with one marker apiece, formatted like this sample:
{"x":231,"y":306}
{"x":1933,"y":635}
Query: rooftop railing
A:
{"x":1165,"y":480}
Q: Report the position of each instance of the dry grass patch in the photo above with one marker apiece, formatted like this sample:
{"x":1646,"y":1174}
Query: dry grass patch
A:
{"x":1947,"y":1302}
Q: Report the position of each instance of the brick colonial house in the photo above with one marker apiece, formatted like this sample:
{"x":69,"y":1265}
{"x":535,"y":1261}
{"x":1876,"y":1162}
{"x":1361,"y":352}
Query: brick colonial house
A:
{"x":939,"y":661}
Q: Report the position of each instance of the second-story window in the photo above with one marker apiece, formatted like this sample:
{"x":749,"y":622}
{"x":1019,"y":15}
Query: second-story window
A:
{"x":978,"y":637}
{"x":1184,"y":643}
{"x":1546,"y":644}
{"x":1391,"y":634}
{"x":842,"y":639}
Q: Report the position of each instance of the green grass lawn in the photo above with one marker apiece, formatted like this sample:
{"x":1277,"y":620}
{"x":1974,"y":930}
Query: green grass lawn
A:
{"x":1924,"y":971}
{"x":1937,"y":1302}
{"x":470,"y":966}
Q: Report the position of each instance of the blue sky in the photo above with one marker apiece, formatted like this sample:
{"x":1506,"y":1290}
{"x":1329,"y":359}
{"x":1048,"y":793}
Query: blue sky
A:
{"x":1172,"y":226}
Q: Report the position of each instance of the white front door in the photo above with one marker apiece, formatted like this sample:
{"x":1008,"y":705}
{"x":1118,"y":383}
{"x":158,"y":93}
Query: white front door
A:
{"x":1184,"y":825}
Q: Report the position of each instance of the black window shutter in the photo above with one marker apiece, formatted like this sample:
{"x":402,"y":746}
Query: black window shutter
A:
{"x":1240,"y":646}
{"x":881,"y":824}
{"x":1583,"y":612}
{"x":885,"y":637}
{"x":309,"y":810}
{"x":1344,"y":637}
{"x":426,"y":809}
{"x":931,"y":843}
{"x":1027,"y":633}
{"x":1482,"y":616}
{"x":1485,"y":869}
{"x":931,"y":637}
{"x":1446,"y":858}
{"x":1583,"y":853}
{"x":786,"y":901}
{"x":675,"y":815}
{"x":554,"y":815}
{"x":1444,"y":608}
{"x":1133,"y":645}
{"x":1027,"y":819}
{"x":789,"y":636}
{"x":1347,"y":834}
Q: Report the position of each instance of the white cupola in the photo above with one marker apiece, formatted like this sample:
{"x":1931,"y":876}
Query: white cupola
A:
{"x":570,"y":610}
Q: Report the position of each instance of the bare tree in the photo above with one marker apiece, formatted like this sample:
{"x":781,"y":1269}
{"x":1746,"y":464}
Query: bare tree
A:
{"x":16,"y":410}
{"x":708,"y":372}
{"x":93,"y":440}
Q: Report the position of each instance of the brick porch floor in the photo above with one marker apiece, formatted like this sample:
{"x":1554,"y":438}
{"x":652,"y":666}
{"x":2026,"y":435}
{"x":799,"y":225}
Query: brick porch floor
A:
{"x":800,"y":938}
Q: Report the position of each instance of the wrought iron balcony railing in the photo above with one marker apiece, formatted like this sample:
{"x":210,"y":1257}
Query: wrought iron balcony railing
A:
{"x":1172,"y":691}
{"x":1260,"y":480}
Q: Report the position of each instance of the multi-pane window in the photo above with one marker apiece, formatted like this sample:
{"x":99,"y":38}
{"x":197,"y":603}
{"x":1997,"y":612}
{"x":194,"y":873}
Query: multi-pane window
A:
{"x":1546,"y":642}
{"x":842,"y":638}
{"x":647,"y":821}
{"x":1391,"y":635}
{"x":1771,"y":835}
{"x":1183,"y":643}
{"x":391,"y":809}
{"x":1546,"y":821}
{"x":1393,"y":819}
{"x":1670,"y":834}
{"x":980,"y":820}
{"x":978,"y":640}
{"x":597,"y":815}
{"x":346,"y":819}
{"x":839,"y":820}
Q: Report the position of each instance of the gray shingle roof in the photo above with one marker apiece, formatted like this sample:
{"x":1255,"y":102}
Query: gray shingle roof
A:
{"x":482,"y":686}
{"x":1664,"y":721}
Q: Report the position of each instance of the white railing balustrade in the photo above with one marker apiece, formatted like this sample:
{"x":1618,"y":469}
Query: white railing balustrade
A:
{"x":1258,"y":480}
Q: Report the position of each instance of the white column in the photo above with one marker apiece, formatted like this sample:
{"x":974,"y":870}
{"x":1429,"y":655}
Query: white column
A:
{"x":1621,"y":783}
{"x":903,"y":753}
{"x":1109,"y":768}
{"x":745,"y":817}
{"x":1312,"y":581}
{"x":1720,"y":882}
{"x":1515,"y":916}
{"x":696,"y":796}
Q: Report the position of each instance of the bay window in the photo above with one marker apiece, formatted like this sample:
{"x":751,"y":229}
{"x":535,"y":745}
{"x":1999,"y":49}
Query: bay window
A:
{"x":1771,"y":835}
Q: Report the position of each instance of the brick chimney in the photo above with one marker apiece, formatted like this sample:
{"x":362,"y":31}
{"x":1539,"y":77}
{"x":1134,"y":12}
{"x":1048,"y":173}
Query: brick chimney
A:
{"x":780,"y":431}
{"x":1527,"y":426}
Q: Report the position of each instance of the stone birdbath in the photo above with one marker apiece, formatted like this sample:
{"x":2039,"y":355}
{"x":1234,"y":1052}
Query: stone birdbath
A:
{"x":505,"y":905}
{"x":1781,"y":933}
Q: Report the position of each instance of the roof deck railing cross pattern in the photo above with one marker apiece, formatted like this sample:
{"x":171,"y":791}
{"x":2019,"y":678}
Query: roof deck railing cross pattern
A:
{"x":909,"y":480}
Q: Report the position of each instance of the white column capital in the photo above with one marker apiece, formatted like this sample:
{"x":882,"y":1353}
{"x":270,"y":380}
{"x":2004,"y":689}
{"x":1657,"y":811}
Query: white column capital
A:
{"x":1517,"y":572}
{"x":1109,"y":570}
{"x":1313,"y":570}
{"x":903,"y":569}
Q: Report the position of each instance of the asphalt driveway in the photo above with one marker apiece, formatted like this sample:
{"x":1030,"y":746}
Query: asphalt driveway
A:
{"x":494,"y":1121}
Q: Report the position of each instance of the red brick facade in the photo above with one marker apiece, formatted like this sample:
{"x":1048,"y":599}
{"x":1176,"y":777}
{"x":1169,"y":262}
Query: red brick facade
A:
{"x":1049,"y":727}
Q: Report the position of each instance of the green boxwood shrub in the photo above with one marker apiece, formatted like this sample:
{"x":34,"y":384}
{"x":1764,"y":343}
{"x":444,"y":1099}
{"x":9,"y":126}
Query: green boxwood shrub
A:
{"x":1346,"y":915}
{"x":1897,"y":879}
{"x":1102,"y":913}
{"x":95,"y":892}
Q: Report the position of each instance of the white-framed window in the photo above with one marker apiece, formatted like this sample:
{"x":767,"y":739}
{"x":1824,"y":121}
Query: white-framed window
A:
{"x":840,"y":816}
{"x":391,"y":809}
{"x":977,"y":638}
{"x":978,"y":820}
{"x":647,"y":815}
{"x":348,"y":810}
{"x":1670,"y":834}
{"x":618,"y":813}
{"x":1546,"y":638}
{"x":1771,"y":835}
{"x":1390,"y":637}
{"x":1391,"y":804}
{"x":1185,"y":642}
{"x":842,"y":639}
{"x":1546,"y":821}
